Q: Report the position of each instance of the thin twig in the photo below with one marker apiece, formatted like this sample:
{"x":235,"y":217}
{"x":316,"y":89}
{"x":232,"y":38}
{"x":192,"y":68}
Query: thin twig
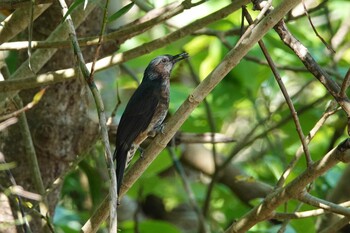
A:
{"x":113,"y":225}
{"x":345,"y":84}
{"x":329,"y":111}
{"x":7,"y":123}
{"x":188,"y":138}
{"x":100,"y":39}
{"x":18,"y":21}
{"x":323,"y":204}
{"x":330,"y":71}
{"x":314,"y":29}
{"x":191,"y":197}
{"x":127,"y":70}
{"x":212,"y":127}
{"x":221,"y":36}
{"x":42,"y":56}
{"x":33,"y":163}
{"x":31,"y":157}
{"x":30,"y":32}
{"x":285,"y":94}
{"x":266,"y":6}
{"x":25,"y":225}
{"x":102,"y":118}
{"x":251,"y":137}
{"x":30,"y":105}
{"x":114,"y":111}
{"x":108,"y":61}
{"x":306,"y":214}
{"x":302,"y":52}
{"x":123,"y":33}
{"x":290,"y":17}
{"x":294,"y":189}
{"x":138,"y":211}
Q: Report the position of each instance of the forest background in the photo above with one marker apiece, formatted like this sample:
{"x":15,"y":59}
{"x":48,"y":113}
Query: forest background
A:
{"x":256,"y":137}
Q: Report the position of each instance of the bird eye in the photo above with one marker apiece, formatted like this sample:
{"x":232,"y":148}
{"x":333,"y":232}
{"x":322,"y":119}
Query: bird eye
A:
{"x":164,"y":60}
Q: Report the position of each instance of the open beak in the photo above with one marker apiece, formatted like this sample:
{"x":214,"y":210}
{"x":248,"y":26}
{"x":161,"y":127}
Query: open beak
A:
{"x":179,"y":57}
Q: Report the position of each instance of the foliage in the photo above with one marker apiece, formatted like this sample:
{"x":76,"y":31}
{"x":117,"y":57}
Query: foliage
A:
{"x":247,"y":100}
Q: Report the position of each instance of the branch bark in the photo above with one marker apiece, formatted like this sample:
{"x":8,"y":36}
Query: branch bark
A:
{"x":294,"y":189}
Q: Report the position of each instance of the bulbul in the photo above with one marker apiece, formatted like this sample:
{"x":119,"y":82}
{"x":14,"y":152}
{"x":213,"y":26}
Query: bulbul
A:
{"x":145,"y":111}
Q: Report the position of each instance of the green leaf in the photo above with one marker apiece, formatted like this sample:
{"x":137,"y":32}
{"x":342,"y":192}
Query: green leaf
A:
{"x":37,"y":97}
{"x":7,"y":166}
{"x":121,"y":12}
{"x":74,"y":5}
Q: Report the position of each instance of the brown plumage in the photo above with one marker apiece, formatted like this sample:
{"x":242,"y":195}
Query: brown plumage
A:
{"x":145,"y":110}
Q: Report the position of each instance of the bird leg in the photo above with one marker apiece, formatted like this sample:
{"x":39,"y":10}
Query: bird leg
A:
{"x":157,"y":129}
{"x":141,"y":151}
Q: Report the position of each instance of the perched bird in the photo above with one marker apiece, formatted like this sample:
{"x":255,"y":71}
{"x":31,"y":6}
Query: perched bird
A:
{"x":145,"y":111}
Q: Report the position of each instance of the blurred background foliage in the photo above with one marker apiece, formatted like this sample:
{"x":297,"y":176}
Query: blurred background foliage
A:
{"x":247,"y":98}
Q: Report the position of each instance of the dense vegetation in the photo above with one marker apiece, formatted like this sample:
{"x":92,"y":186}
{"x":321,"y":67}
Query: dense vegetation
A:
{"x":264,"y":140}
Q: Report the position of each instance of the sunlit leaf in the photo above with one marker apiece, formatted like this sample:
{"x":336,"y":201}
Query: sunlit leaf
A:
{"x":7,"y":166}
{"x":37,"y":97}
{"x":120,"y":13}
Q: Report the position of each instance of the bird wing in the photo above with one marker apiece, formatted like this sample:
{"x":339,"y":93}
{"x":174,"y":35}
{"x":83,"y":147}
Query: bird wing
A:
{"x":137,"y":115}
{"x":135,"y":119}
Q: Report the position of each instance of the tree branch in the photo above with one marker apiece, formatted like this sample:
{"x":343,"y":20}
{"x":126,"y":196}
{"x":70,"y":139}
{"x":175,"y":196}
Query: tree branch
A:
{"x":41,"y":57}
{"x":101,"y":114}
{"x":294,"y":189}
{"x":18,"y":21}
{"x":28,"y":80}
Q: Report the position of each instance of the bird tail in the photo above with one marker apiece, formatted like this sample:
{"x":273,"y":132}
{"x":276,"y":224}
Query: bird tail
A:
{"x":120,"y":156}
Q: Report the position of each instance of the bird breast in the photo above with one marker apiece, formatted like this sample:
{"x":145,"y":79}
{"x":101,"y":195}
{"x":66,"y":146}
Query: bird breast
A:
{"x":163,"y":105}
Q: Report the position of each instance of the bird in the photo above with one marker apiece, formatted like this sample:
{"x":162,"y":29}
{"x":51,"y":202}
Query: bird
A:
{"x":145,"y":112}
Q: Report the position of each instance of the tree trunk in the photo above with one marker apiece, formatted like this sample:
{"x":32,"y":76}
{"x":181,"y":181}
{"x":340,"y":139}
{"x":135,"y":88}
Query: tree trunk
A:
{"x":59,"y":124}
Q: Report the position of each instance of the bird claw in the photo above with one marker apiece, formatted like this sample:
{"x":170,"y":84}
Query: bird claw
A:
{"x":160,"y":128}
{"x":156,"y":130}
{"x":141,"y":152}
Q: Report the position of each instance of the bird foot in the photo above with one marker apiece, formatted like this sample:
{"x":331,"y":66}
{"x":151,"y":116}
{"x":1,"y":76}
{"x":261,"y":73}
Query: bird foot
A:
{"x":156,"y":130}
{"x":141,"y":151}
{"x":160,"y":128}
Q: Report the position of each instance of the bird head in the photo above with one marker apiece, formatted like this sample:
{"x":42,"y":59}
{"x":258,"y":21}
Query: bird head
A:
{"x":161,"y":66}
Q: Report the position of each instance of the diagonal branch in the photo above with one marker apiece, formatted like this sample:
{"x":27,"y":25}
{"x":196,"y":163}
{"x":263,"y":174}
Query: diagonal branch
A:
{"x":302,"y":52}
{"x":309,"y":62}
{"x":127,"y":31}
{"x":232,"y":58}
{"x":285,"y":94}
{"x":18,"y":21}
{"x":41,"y":57}
{"x":294,"y":189}
{"x":326,"y":205}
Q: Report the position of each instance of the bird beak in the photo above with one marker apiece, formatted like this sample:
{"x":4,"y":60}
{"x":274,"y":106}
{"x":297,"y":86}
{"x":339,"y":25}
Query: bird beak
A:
{"x":179,"y":57}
